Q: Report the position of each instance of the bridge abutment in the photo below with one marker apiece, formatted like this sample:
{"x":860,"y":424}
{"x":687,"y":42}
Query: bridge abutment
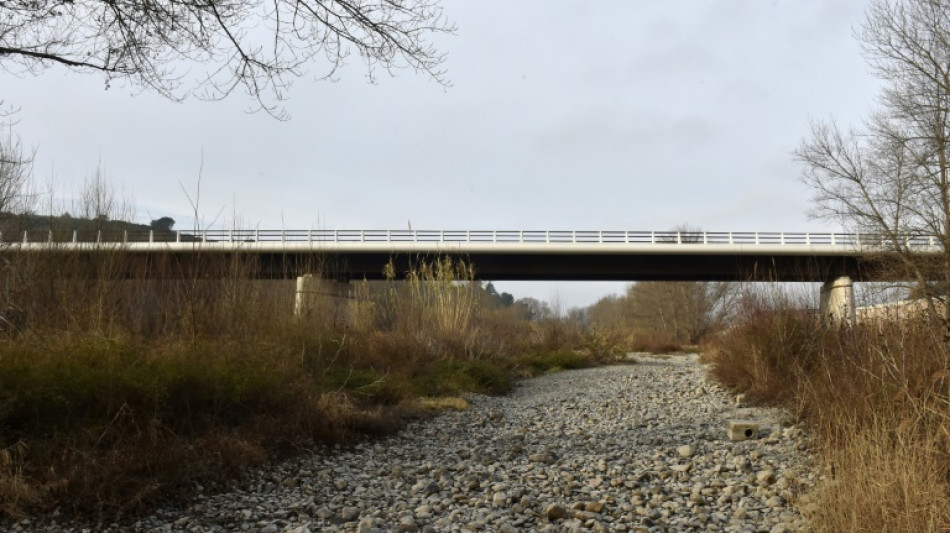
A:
{"x":836,"y":303}
{"x":313,"y":292}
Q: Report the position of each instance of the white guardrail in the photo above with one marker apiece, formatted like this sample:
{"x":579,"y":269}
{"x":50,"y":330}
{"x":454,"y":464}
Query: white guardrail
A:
{"x":853,"y":240}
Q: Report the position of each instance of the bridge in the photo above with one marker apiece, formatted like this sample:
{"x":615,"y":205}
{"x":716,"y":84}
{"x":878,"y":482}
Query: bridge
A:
{"x":836,"y":259}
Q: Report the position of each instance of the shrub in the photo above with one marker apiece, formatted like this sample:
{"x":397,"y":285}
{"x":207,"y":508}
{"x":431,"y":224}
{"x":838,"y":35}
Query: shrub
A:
{"x":540,"y":361}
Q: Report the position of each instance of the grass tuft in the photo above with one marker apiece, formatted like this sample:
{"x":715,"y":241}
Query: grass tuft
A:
{"x":443,"y":404}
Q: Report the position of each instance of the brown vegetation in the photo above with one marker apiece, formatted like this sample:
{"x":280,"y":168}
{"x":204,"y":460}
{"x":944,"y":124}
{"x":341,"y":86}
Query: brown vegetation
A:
{"x":116,"y":394}
{"x":663,"y":317}
{"x":877,"y":398}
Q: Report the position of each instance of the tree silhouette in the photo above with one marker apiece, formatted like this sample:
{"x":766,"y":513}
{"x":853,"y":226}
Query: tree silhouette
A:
{"x":163,"y":224}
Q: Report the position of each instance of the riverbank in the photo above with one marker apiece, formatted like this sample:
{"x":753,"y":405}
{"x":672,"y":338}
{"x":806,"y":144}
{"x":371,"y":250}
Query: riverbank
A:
{"x":638,"y":447}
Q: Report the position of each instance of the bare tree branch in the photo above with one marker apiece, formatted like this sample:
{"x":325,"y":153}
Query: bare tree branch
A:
{"x":257,"y":45}
{"x":16,"y":165}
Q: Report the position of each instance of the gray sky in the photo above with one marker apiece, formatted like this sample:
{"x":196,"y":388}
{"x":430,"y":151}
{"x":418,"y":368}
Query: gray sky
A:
{"x":562,"y":115}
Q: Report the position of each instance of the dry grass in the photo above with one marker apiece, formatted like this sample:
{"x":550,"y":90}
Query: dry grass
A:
{"x":17,"y":494}
{"x":443,"y":404}
{"x":885,"y":479}
{"x":876,"y":397}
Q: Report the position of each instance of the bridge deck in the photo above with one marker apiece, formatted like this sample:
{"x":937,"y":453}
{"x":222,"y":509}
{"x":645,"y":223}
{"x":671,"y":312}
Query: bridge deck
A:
{"x":497,"y":255}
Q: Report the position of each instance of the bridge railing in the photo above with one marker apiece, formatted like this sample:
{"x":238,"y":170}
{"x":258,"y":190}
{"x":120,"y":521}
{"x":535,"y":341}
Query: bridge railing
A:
{"x":859,"y":240}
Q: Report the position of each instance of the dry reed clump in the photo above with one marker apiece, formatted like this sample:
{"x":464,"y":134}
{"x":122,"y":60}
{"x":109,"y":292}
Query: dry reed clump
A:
{"x":876,"y":397}
{"x":15,"y":492}
{"x":884,"y":479}
{"x":436,"y":308}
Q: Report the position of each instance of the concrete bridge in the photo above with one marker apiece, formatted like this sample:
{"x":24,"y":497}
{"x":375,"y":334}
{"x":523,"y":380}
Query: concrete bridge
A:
{"x":835,"y":259}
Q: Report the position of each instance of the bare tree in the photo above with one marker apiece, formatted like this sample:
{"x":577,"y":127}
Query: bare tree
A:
{"x":892,"y":176}
{"x":686,"y":311}
{"x":99,"y":202}
{"x":254,"y":45}
{"x":15,"y":172}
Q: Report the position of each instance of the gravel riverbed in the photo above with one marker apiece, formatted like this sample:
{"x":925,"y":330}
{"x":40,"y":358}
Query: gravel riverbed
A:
{"x":639,"y":447}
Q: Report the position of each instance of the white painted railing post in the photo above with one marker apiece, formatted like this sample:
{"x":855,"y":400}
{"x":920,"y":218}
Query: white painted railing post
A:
{"x":652,"y":237}
{"x":757,"y":237}
{"x":26,"y":239}
{"x":730,"y":238}
{"x":177,"y":236}
{"x":151,"y":236}
{"x":75,"y":236}
{"x":679,"y":237}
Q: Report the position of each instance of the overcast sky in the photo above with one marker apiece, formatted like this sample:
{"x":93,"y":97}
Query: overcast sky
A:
{"x":561,"y":115}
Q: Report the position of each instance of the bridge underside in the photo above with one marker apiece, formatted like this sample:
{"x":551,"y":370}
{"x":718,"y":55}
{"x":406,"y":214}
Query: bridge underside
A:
{"x":614,"y":267}
{"x":488,"y":266}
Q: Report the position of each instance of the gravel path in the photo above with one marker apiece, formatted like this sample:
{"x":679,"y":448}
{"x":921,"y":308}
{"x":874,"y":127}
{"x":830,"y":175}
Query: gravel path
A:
{"x":638,"y":447}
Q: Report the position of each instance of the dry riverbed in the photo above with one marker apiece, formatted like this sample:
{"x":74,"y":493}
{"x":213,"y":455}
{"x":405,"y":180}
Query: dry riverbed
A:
{"x":639,"y":447}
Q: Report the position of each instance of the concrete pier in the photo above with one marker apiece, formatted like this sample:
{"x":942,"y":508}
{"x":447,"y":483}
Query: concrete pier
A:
{"x":312,"y":290}
{"x":836,"y":303}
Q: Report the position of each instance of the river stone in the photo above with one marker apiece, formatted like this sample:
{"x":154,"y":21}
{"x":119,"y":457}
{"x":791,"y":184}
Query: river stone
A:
{"x":555,"y":512}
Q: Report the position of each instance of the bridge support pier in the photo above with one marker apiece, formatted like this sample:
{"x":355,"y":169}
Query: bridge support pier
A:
{"x":313,"y":291}
{"x":836,"y":303}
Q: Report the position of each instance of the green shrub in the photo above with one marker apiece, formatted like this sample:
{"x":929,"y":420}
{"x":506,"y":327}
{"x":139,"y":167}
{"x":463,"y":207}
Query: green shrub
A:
{"x":541,"y":361}
{"x":450,"y":377}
